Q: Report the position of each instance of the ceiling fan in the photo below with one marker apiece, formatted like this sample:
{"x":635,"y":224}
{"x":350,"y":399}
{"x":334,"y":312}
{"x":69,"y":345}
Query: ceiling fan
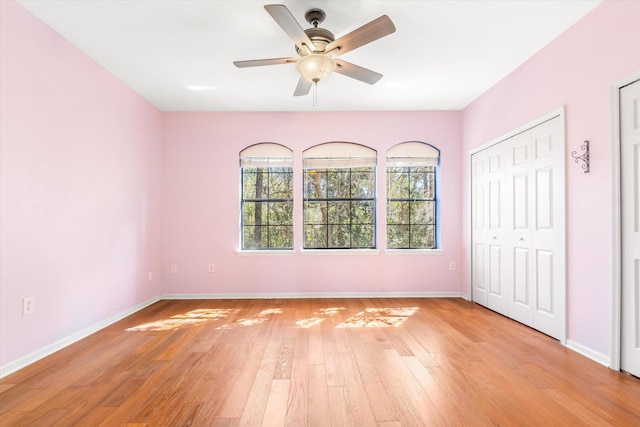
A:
{"x":318,"y":49}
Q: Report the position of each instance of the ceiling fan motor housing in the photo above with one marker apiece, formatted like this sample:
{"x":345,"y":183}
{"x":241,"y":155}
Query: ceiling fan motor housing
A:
{"x":320,"y":38}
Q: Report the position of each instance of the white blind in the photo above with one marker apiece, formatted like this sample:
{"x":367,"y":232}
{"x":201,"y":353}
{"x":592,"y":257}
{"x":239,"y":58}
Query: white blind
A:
{"x":338,"y":155}
{"x":412,"y":153}
{"x":266,"y":155}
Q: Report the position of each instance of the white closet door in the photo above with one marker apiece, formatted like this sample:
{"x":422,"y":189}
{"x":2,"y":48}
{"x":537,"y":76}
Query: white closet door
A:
{"x":520,"y":189}
{"x":518,"y":255}
{"x":497,"y":214}
{"x":548,"y":228}
{"x":488,"y":215}
{"x":630,"y":199}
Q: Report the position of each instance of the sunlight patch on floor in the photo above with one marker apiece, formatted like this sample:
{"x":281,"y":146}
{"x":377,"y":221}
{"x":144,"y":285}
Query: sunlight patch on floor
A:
{"x":379,"y":318}
{"x":313,"y":321}
{"x":368,"y":318}
{"x":191,"y":318}
{"x":256,"y":319}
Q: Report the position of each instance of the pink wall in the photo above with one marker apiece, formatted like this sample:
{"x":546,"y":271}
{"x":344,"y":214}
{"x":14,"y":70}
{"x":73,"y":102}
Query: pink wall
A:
{"x":575,"y":70}
{"x":80,"y":189}
{"x":201,"y":203}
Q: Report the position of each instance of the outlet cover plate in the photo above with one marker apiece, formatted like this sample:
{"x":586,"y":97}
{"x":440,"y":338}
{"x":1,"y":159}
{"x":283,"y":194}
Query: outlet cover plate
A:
{"x":28,"y":306}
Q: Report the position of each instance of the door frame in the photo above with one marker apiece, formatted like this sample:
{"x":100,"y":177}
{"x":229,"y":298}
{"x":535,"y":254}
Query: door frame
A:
{"x":558,"y":112}
{"x":616,"y":220}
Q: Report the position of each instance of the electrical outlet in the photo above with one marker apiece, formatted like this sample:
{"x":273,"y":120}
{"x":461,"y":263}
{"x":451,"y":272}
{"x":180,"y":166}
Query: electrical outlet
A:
{"x":174,"y":268}
{"x":28,"y":306}
{"x":150,"y":276}
{"x":211,"y":267}
{"x":452,"y":265}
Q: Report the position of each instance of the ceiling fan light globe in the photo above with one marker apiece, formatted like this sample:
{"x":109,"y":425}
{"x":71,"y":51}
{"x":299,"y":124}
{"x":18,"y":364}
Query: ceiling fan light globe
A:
{"x":315,"y":67}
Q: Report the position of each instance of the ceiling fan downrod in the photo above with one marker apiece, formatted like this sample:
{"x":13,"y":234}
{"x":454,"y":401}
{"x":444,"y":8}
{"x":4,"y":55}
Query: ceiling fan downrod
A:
{"x":315,"y":17}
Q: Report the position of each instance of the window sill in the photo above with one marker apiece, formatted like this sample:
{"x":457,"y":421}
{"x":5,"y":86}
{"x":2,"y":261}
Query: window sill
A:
{"x":266,"y":252}
{"x":414,"y":251}
{"x":339,"y":252}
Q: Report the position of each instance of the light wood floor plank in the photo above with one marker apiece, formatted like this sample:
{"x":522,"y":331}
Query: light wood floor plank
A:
{"x":276,"y":411}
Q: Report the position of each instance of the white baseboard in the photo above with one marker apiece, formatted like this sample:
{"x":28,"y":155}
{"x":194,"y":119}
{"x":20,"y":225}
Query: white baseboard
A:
{"x":591,"y":354}
{"x":43,"y":352}
{"x":296,"y":295}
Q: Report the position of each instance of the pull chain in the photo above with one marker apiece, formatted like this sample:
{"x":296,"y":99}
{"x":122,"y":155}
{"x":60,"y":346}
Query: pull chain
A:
{"x":315,"y":93}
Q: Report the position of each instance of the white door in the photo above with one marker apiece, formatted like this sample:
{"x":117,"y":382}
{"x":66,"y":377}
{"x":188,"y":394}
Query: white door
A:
{"x":520,"y":187}
{"x":630,"y":210}
{"x":479,"y":228}
{"x":547,"y":228}
{"x":496,"y":218}
{"x":489,"y":276}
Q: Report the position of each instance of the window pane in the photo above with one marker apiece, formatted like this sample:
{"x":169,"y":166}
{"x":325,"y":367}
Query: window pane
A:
{"x":315,"y":184}
{"x":339,"y":212}
{"x":422,"y":212}
{"x":339,"y":236}
{"x":252,"y":237}
{"x":338,"y":184}
{"x":363,"y":236}
{"x":248,"y":213}
{"x":280,"y":184}
{"x":398,"y":212}
{"x":397,"y":183}
{"x":362,"y":212}
{"x":315,"y":236}
{"x":422,"y":236}
{"x":254,"y":181}
{"x":421,"y":185}
{"x":281,"y":237}
{"x":280,"y":213}
{"x":397,"y":236}
{"x":315,"y":212}
{"x":362,"y":183}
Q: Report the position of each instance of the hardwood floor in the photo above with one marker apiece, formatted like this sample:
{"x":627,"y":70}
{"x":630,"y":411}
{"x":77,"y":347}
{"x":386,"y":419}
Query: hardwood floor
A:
{"x":318,"y":362}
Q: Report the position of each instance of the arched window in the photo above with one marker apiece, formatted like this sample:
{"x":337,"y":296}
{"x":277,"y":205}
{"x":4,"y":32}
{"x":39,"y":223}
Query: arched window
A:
{"x":411,"y":196}
{"x":267,"y":197}
{"x":339,"y":196}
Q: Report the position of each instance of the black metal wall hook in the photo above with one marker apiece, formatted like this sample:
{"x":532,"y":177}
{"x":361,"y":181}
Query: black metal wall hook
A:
{"x":584,"y":156}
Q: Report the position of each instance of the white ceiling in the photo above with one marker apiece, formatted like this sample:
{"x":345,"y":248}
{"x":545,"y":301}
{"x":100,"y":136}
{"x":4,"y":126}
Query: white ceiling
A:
{"x":178,"y":54}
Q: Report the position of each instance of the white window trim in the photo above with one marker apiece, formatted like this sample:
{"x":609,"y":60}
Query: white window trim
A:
{"x":265,"y":252}
{"x":427,"y":252}
{"x":339,"y":252}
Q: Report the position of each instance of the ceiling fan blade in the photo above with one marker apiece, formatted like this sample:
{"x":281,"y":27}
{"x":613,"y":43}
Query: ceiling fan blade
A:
{"x":288,"y":23}
{"x":303,"y":87}
{"x":356,"y":72}
{"x":261,"y":62}
{"x":374,"y":30}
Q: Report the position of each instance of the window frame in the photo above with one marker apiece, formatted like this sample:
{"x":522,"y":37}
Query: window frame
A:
{"x":339,"y":158}
{"x":411,"y":155}
{"x":270,"y":159}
